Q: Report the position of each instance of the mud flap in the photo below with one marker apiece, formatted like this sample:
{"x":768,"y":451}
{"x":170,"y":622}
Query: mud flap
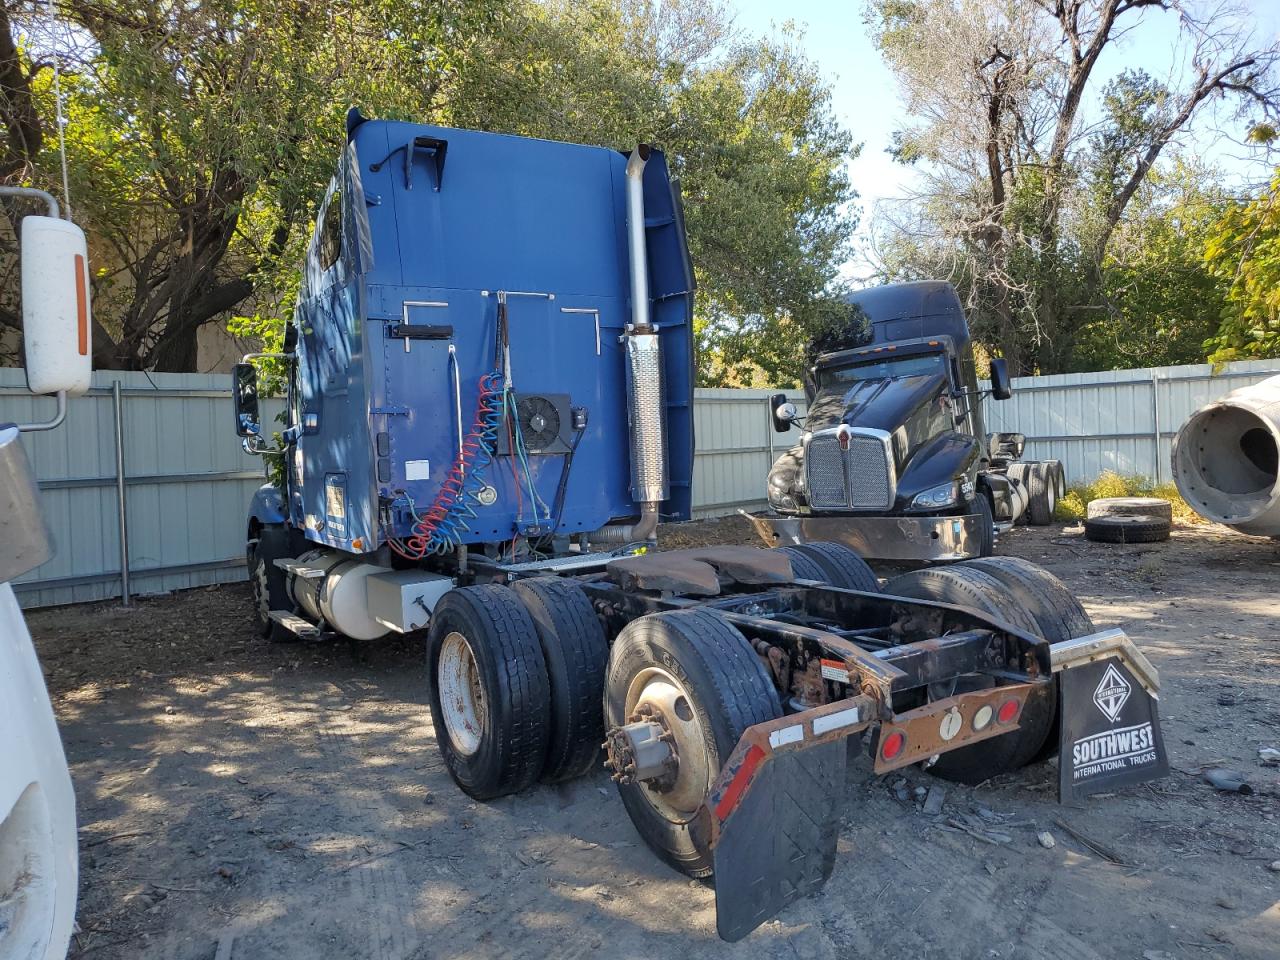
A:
{"x":778,"y":843}
{"x":1110,"y":723}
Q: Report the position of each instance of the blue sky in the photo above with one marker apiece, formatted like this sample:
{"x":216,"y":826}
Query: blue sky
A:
{"x":865,"y":97}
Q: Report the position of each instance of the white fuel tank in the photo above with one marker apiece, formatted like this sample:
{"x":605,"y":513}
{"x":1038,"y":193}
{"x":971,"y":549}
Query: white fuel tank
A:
{"x":331,"y":586}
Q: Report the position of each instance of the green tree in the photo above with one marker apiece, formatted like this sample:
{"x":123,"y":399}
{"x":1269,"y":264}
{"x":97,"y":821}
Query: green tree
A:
{"x":1021,"y":198}
{"x":1159,"y":300}
{"x":1244,"y":252}
{"x":747,"y":126}
{"x":201,"y":135}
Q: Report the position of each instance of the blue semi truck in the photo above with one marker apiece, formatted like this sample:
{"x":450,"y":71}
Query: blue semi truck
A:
{"x":489,"y":411}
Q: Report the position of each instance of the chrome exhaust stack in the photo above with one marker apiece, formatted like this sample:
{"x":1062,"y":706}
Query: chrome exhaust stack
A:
{"x":646,"y":391}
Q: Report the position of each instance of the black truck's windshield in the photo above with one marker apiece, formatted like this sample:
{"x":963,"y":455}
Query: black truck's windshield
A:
{"x":839,"y":379}
{"x":886,"y":380}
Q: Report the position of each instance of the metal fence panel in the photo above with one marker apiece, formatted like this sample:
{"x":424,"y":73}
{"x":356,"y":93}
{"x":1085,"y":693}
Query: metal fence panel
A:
{"x":186,"y":478}
{"x":1110,"y":420}
{"x":188,"y":483}
{"x":736,"y":446}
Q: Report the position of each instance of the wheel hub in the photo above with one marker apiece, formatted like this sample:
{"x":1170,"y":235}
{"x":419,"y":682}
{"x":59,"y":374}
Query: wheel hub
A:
{"x":662,"y":746}
{"x":641,"y":751}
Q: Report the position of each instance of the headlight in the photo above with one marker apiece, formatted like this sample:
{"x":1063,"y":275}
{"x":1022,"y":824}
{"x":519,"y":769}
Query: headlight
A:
{"x":935,"y":498}
{"x":781,"y":486}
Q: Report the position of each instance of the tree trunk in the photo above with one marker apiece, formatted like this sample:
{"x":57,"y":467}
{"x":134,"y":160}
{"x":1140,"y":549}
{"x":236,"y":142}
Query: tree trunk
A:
{"x":178,"y":351}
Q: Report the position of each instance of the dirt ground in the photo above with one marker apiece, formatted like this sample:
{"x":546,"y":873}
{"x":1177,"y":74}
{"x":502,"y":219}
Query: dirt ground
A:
{"x":240,"y":800}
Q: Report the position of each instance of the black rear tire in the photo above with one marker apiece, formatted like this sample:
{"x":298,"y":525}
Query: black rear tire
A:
{"x":803,"y":566}
{"x":1054,"y":607}
{"x":841,"y":565}
{"x":968,"y":586}
{"x":1059,"y":475}
{"x":1042,"y":494}
{"x":576,"y":653}
{"x":505,"y":687}
{"x":728,"y":689}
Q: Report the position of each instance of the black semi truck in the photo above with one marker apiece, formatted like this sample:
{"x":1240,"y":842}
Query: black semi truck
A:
{"x":894,"y":459}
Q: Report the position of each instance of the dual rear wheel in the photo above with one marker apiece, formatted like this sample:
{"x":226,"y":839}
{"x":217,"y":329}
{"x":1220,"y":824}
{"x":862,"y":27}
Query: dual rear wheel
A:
{"x":1027,"y":598}
{"x":518,"y":674}
{"x":1044,"y":481}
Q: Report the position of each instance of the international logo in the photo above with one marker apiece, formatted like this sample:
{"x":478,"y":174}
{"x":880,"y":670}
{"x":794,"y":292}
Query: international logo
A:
{"x":1112,"y":693}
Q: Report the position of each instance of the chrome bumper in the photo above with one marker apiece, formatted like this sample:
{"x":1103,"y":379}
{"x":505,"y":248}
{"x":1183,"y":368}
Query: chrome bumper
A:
{"x":880,"y":538}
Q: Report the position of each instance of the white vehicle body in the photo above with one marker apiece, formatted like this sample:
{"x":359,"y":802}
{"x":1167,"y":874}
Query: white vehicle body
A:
{"x":38,"y":859}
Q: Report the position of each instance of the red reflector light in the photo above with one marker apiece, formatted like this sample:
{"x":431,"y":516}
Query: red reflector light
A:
{"x":1008,"y":710}
{"x":892,"y":745}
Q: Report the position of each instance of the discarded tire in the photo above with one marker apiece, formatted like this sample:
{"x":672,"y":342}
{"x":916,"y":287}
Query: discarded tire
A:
{"x":969,"y":586}
{"x":703,"y":680}
{"x":1130,"y":507}
{"x":574,"y":646}
{"x":1127,"y":529}
{"x":489,"y":694}
{"x":841,"y":565}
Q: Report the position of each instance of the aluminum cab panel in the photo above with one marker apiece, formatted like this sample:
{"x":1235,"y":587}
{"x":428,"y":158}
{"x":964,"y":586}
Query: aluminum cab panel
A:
{"x":510,"y":214}
{"x":551,"y":352}
{"x":331,"y":401}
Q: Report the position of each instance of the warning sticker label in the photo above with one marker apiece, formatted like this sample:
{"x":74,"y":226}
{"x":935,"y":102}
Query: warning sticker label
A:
{"x":835,"y":670}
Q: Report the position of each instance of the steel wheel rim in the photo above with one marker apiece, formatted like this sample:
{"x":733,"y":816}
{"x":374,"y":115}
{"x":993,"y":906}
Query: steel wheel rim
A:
{"x":462,"y":700}
{"x":661,"y":690}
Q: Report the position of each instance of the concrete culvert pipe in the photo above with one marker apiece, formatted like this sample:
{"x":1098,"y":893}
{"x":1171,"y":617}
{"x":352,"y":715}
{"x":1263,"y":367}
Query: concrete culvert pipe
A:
{"x":1225,"y":459}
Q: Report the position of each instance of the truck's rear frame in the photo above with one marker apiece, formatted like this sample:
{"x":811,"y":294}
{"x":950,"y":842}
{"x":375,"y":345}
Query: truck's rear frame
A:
{"x":845,"y":663}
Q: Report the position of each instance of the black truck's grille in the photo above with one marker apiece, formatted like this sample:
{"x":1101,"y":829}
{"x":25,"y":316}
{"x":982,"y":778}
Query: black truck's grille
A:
{"x":858,"y":478}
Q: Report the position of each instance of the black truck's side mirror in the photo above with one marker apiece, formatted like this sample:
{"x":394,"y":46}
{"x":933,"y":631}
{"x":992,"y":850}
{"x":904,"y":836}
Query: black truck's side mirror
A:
{"x":1001,"y":385}
{"x":244,"y":392}
{"x":782,"y":411}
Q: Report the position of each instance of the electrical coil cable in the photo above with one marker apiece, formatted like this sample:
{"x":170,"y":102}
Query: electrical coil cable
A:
{"x":440,"y":529}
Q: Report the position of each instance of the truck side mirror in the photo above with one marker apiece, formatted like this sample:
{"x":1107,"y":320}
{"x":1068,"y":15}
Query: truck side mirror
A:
{"x":782,"y":411}
{"x":1001,"y":385}
{"x":56,"y":324}
{"x":244,"y":392}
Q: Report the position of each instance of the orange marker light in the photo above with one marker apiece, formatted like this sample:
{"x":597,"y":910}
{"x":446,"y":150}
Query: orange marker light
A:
{"x":82,"y":308}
